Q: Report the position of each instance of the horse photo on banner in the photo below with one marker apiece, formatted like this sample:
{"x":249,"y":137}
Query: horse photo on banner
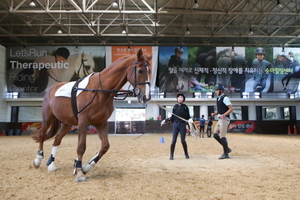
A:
{"x":230,"y":71}
{"x":34,"y":69}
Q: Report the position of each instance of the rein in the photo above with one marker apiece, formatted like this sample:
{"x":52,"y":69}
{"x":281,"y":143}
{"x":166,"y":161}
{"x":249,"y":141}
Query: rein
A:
{"x":133,"y":92}
{"x":193,"y":128}
{"x":169,"y":111}
{"x":83,"y":66}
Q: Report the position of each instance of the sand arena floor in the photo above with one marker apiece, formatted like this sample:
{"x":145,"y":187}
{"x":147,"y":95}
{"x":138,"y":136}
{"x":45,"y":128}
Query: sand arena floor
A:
{"x":260,"y":167}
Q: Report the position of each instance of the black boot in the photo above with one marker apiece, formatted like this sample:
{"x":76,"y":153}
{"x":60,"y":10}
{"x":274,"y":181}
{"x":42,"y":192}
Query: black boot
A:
{"x":225,"y":148}
{"x":172,"y":152}
{"x":217,"y":137}
{"x":185,"y":150}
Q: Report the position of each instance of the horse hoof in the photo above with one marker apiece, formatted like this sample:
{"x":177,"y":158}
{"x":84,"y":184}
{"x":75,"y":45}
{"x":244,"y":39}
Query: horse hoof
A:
{"x":37,"y":163}
{"x":80,"y":179}
{"x":51,"y":167}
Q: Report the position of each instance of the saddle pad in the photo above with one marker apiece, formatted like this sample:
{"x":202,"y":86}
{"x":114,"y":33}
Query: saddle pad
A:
{"x":65,"y":90}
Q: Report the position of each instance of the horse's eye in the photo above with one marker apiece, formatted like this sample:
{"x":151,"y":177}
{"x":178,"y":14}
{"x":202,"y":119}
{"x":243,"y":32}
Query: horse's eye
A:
{"x":140,"y":71}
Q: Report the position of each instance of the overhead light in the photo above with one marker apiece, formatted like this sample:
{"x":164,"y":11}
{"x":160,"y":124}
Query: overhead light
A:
{"x":32,"y":4}
{"x":187,"y":31}
{"x":209,"y":95}
{"x":195,"y":6}
{"x":93,"y":23}
{"x":245,"y":95}
{"x":279,"y":5}
{"x":124,"y":31}
{"x":114,"y":4}
{"x":257,"y":95}
{"x":76,"y":48}
{"x":59,"y":31}
{"x":250,"y":32}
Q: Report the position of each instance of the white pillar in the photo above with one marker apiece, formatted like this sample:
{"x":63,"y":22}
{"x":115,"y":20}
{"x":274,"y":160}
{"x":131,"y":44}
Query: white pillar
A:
{"x":297,"y":109}
{"x":252,"y":111}
{"x":3,"y":111}
{"x":278,"y":113}
{"x":203,"y":110}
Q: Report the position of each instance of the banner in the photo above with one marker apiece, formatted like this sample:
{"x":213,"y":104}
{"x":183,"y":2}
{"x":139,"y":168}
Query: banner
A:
{"x":239,"y":69}
{"x":115,"y":52}
{"x":241,"y":127}
{"x":34,"y":68}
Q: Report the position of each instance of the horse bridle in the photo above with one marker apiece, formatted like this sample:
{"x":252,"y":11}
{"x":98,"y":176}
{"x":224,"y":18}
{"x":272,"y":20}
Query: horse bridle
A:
{"x":135,"y":92}
{"x":84,"y":67}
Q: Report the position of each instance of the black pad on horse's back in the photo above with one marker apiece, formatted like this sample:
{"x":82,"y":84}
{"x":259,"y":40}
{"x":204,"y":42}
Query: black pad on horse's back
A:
{"x":74,"y":98}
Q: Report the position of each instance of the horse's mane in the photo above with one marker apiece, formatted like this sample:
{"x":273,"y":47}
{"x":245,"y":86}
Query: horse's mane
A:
{"x":227,"y":53}
{"x":120,"y":60}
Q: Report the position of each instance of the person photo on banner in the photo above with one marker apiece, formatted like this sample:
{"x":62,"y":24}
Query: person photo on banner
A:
{"x":195,"y":85}
{"x":292,"y":70}
{"x":173,"y":79}
{"x":43,"y":75}
{"x":262,"y":70}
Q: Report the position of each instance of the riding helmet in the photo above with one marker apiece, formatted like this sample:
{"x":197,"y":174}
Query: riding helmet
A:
{"x":63,"y":52}
{"x":219,"y":87}
{"x":291,"y":53}
{"x":181,"y":95}
{"x":179,"y":49}
{"x":260,"y":50}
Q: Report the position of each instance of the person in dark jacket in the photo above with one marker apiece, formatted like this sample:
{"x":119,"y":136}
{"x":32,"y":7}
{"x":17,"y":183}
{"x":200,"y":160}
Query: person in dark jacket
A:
{"x":224,"y":108}
{"x":209,"y":126}
{"x":182,"y":113}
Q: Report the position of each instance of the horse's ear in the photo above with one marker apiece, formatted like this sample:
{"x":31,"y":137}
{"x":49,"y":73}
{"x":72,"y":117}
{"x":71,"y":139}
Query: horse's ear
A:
{"x":139,"y":54}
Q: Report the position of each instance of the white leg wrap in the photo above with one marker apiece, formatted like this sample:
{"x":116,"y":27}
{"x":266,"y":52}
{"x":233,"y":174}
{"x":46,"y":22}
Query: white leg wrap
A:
{"x":51,"y":167}
{"x":87,"y":167}
{"x":54,"y":149}
{"x":38,"y":161}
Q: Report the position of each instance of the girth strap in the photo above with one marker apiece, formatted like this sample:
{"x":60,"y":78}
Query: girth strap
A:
{"x":74,"y":98}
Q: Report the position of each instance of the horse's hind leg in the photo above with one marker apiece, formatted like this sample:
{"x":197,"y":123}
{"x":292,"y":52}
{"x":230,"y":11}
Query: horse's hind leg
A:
{"x":101,"y":130}
{"x":57,"y":141}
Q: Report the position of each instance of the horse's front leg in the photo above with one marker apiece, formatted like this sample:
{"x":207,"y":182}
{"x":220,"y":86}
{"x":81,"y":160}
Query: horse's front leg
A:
{"x":57,"y":141}
{"x":104,"y":148}
{"x":40,"y":138}
{"x":82,"y":130}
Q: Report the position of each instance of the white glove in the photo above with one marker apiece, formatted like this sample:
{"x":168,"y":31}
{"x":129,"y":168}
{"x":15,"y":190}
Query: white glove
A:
{"x":191,"y":120}
{"x":162,"y":122}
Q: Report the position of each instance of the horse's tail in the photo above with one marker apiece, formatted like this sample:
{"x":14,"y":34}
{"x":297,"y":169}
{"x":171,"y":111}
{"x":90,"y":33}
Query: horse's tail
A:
{"x":52,"y":132}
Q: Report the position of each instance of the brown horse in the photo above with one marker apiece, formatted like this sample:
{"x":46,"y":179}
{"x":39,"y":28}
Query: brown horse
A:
{"x":94,"y":105}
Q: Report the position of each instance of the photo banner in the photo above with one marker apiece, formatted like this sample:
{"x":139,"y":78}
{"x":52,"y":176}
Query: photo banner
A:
{"x":116,"y":52}
{"x":239,"y":69}
{"x":33,"y":69}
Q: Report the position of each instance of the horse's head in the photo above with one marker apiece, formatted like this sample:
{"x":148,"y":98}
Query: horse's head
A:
{"x":86,"y":66}
{"x":140,"y":76}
